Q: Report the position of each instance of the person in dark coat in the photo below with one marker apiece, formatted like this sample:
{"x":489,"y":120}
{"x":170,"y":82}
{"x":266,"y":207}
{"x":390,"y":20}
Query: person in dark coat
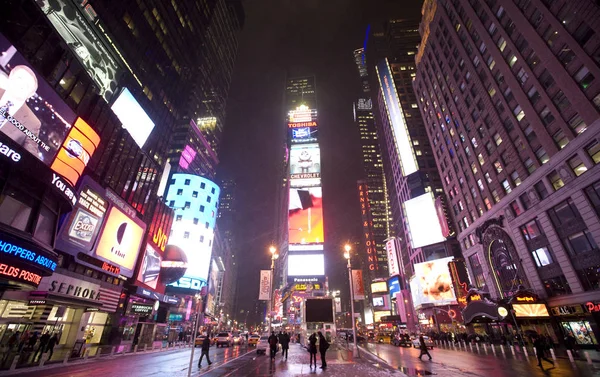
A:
{"x":323,"y":346}
{"x":273,"y":345}
{"x":51,"y":343}
{"x":571,"y":344}
{"x":312,"y":349}
{"x":285,"y":344}
{"x":43,"y":343}
{"x":423,"y":347}
{"x":540,"y":349}
{"x":205,"y":349}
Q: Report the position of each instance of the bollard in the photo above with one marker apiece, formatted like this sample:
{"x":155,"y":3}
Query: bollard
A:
{"x":512,"y":349}
{"x":525,"y":352}
{"x":471,"y":346}
{"x":587,"y":357}
{"x":493,"y":349}
{"x":42,"y":360}
{"x":98,"y":352}
{"x":145,"y":347}
{"x":135,"y":349}
{"x":502,"y":348}
{"x":112,"y":351}
{"x":477,"y":346}
{"x":485,"y":348}
{"x":535,"y":351}
{"x":86,"y":352}
{"x":552,"y":353}
{"x":66,"y":359}
{"x":13,"y":366}
{"x":570,"y":356}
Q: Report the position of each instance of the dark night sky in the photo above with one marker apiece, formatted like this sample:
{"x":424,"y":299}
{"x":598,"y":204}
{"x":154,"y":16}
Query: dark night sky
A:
{"x":297,"y":37}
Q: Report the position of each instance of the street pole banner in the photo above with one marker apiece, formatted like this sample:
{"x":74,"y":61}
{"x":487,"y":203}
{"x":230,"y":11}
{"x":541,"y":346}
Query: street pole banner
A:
{"x":392,"y":256}
{"x":264,"y":293}
{"x":358,"y":286}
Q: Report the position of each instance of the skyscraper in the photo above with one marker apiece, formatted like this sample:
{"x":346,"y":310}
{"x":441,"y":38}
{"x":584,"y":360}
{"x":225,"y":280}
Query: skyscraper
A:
{"x":512,"y":114}
{"x":376,"y":223}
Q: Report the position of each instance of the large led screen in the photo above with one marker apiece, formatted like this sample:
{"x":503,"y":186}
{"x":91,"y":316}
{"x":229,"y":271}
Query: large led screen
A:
{"x":31,"y":113}
{"x":423,"y":222}
{"x":150,"y":269}
{"x":319,"y":310}
{"x":305,"y":218}
{"x":82,"y":38}
{"x":432,"y":283}
{"x":195,"y":200}
{"x":303,"y":132}
{"x":530,"y":310}
{"x":120,"y":241}
{"x":404,"y":148}
{"x":305,"y":161}
{"x":379,"y":287}
{"x":306,"y":265}
{"x":133,"y":117}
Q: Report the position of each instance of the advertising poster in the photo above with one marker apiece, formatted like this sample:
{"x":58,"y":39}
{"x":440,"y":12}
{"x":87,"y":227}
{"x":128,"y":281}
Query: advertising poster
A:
{"x":133,"y":117}
{"x":305,"y":218}
{"x":306,"y":265}
{"x":80,"y":36}
{"x":432,"y":283}
{"x":404,"y":148}
{"x":303,"y":132}
{"x":358,"y":285}
{"x":305,"y":161}
{"x":31,"y":113}
{"x":264,"y":291}
{"x":213,"y":283}
{"x":150,"y":269}
{"x":379,"y":287}
{"x":423,"y":222}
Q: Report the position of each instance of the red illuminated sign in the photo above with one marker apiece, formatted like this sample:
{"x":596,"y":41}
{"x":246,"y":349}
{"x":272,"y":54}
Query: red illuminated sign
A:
{"x":302,"y":124}
{"x":20,"y":274}
{"x":365,"y":212}
{"x":592,"y":307}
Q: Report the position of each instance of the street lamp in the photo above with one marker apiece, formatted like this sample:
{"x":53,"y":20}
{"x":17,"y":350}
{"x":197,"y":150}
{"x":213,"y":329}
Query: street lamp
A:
{"x":274,"y":256}
{"x":347,"y":249}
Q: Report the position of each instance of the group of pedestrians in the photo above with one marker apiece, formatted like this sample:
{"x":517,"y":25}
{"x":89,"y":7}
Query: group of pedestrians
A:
{"x":284,"y":339}
{"x":26,"y":342}
{"x":312,"y":349}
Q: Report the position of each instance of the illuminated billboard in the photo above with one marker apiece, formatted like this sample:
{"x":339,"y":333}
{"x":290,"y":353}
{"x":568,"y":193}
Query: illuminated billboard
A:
{"x":120,"y":241}
{"x":305,"y":161}
{"x":402,"y":141}
{"x":195,"y":201}
{"x":305,"y":218}
{"x":302,"y":113}
{"x":76,"y":151}
{"x":133,"y":117}
{"x":378,"y":315}
{"x":303,"y":132}
{"x":423,"y":223}
{"x":31,"y":113}
{"x":149,"y":271}
{"x":306,"y":265}
{"x":379,"y":287}
{"x":432,"y":283}
{"x":81,"y":37}
{"x":530,"y":310}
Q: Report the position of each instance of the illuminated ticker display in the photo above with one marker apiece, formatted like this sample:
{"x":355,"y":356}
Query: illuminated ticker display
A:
{"x":408,"y":161}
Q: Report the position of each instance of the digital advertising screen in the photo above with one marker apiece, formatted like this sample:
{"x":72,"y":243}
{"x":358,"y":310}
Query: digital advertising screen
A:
{"x":31,"y":113}
{"x":378,"y":301}
{"x":306,"y":265}
{"x":303,"y":132}
{"x":319,"y":310}
{"x":394,"y":286}
{"x":404,"y":148}
{"x":379,"y":314}
{"x":133,"y":117}
{"x":432,"y":283}
{"x":423,"y":223}
{"x":149,"y":272}
{"x":379,"y":287}
{"x":81,"y":37}
{"x":301,"y":114}
{"x":120,"y":241}
{"x":530,"y":310}
{"x":305,"y":161}
{"x":305,"y":219}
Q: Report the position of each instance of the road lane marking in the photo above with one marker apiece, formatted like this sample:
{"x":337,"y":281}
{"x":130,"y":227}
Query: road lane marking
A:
{"x":219,"y":366}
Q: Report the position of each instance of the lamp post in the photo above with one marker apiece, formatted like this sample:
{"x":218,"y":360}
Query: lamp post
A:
{"x":347,"y":249}
{"x":274,"y":256}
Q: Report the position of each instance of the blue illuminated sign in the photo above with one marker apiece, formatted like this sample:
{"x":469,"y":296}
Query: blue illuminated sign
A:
{"x":27,"y":255}
{"x":301,"y":133}
{"x":394,"y":286}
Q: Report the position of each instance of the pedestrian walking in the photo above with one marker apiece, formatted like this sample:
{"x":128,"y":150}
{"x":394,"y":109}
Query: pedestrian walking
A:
{"x":51,"y":343}
{"x":273,"y":345}
{"x":423,"y":347}
{"x":571,"y":344}
{"x":285,"y":345}
{"x":312,"y":349}
{"x":323,"y":347}
{"x":42,"y":347}
{"x":540,"y":348}
{"x":205,"y":349}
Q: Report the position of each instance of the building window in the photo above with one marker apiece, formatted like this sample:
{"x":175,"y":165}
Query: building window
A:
{"x":542,"y":257}
{"x":208,"y":199}
{"x":512,"y":59}
{"x":525,"y":201}
{"x":506,"y":186}
{"x":514,"y":176}
{"x":202,"y":185}
{"x":201,"y":238}
{"x":477,"y":270}
{"x":180,"y":192}
{"x":496,"y":196}
{"x":480,"y":184}
{"x":498,"y":166}
{"x":556,"y":286}
{"x":178,"y":218}
{"x":564,"y":213}
{"x":529,"y":165}
{"x":541,"y":190}
{"x":186,"y":234}
{"x":196,"y":221}
{"x":580,"y":243}
{"x":533,"y":95}
{"x":206,"y":225}
{"x":542,"y":155}
{"x":531,"y":230}
{"x":555,"y":180}
{"x":584,"y":77}
{"x":171,"y":203}
{"x":187,"y":182}
{"x":488,"y":204}
{"x":481,"y":159}
{"x":187,"y":205}
{"x":560,"y":139}
{"x":212,"y":190}
{"x":194,"y":194}
{"x":561,"y":101}
{"x":201,"y":208}
{"x":593,"y":194}
{"x":516,"y":209}
{"x":501,"y":43}
{"x":577,"y":124}
{"x":593,"y":150}
{"x":546,"y":116}
{"x":577,"y":165}
{"x":522,"y":76}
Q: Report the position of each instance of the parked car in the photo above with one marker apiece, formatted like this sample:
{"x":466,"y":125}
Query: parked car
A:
{"x":417,"y":343}
{"x":263,"y":345}
{"x":253,"y":340}
{"x":224,"y":338}
{"x":402,"y":340}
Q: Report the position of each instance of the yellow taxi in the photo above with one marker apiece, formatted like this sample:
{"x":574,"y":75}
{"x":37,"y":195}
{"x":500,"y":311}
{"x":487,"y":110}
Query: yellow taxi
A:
{"x":253,"y":340}
{"x":383,"y":337}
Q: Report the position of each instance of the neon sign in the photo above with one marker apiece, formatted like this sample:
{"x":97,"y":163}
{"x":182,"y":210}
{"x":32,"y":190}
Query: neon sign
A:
{"x":365,"y":211}
{"x":526,"y":299}
{"x":592,"y":307}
